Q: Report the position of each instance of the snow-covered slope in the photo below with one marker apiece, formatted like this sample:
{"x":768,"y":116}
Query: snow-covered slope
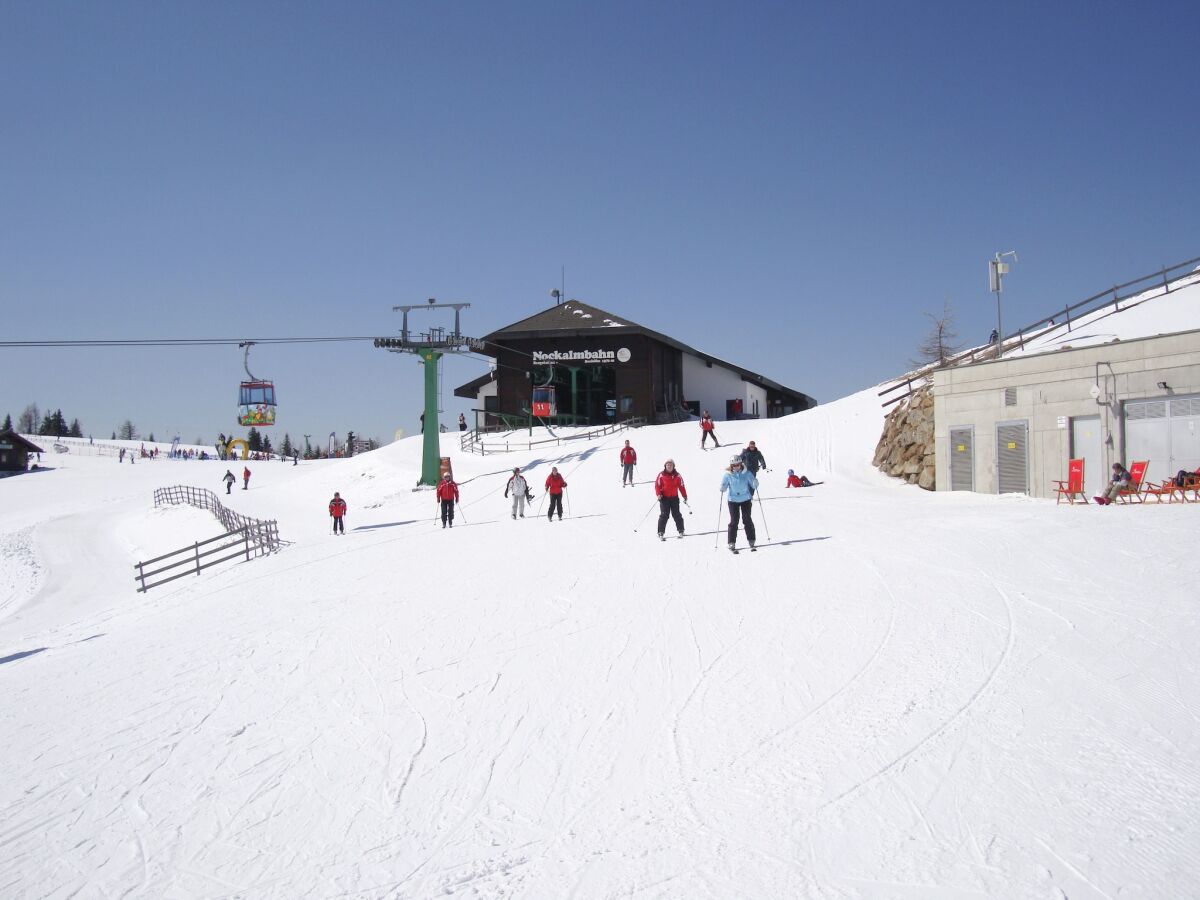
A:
{"x":902,"y":694}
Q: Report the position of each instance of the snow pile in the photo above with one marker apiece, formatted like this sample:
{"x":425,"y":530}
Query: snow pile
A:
{"x":902,"y":694}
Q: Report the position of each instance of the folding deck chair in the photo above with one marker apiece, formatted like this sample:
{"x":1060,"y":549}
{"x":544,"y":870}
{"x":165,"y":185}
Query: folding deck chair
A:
{"x":1137,"y":472}
{"x":1073,"y":486}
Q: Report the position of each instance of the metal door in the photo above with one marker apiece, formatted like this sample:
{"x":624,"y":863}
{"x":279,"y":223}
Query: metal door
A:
{"x":1012,"y":457}
{"x":1185,"y":434}
{"x":1147,"y":436}
{"x":1085,"y":445}
{"x":962,"y":459}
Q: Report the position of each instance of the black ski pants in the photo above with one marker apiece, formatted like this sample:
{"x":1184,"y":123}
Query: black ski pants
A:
{"x":742,"y":510}
{"x":669,"y":507}
{"x":447,"y":513}
{"x":705,"y":435}
{"x":555,"y":503}
{"x":338,"y":526}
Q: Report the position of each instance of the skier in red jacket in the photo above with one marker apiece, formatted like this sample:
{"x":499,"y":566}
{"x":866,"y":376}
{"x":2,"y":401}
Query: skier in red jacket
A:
{"x":554,"y":487}
{"x":447,"y":494}
{"x":707,"y":430}
{"x":669,"y":487}
{"x":337,"y":509}
{"x":628,"y":461}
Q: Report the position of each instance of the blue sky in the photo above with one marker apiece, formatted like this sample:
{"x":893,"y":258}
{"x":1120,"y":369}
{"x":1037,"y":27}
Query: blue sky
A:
{"x":785,"y":185}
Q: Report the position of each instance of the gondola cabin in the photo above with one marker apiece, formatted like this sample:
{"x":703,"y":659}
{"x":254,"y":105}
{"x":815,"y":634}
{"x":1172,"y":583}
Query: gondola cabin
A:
{"x":543,"y":402}
{"x":256,"y":403}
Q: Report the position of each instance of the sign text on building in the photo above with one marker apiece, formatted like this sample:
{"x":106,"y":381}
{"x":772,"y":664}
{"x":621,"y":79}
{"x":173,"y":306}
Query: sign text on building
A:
{"x":543,"y":357}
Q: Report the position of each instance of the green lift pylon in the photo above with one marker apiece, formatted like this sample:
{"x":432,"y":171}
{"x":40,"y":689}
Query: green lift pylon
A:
{"x":430,"y":347}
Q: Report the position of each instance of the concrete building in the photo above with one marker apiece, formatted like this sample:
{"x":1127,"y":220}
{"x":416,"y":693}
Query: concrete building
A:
{"x":1011,"y":425}
{"x":600,"y":368}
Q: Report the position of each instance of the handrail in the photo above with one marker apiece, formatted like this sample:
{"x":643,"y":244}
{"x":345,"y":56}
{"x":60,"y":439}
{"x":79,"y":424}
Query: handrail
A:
{"x":471,"y":442}
{"x":1044,"y":325}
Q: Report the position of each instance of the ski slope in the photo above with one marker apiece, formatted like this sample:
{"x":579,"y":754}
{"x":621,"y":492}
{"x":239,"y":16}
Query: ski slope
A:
{"x":901,"y":695}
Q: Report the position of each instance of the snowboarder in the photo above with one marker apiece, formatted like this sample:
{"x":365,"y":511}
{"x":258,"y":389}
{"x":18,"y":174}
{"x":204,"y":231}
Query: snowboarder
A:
{"x":741,"y":486}
{"x":229,"y":480}
{"x":447,"y":494}
{"x":669,"y":487}
{"x":519,"y":488}
{"x":554,"y":487}
{"x":707,"y":430}
{"x":628,"y":461}
{"x":795,"y":480}
{"x":753,"y":460}
{"x":337,"y":509}
{"x":245,"y":478}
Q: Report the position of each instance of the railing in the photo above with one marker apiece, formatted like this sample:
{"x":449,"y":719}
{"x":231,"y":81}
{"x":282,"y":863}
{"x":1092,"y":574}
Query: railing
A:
{"x":251,"y":537}
{"x":1058,"y":321}
{"x":472,"y":441}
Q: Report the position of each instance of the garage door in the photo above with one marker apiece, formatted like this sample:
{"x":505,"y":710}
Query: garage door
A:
{"x":1166,"y":432}
{"x":1012,"y":457}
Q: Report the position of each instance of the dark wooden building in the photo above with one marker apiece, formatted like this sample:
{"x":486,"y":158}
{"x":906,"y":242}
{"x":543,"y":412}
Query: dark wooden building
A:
{"x":14,"y":452}
{"x":602,"y":368}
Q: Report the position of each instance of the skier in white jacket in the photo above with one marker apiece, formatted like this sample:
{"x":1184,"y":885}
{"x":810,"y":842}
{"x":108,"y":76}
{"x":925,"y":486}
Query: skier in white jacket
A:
{"x":519,"y":489}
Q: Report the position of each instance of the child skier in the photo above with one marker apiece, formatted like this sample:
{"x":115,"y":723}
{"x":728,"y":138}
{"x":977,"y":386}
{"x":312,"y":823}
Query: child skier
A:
{"x":337,"y":509}
{"x":447,"y":494}
{"x":669,"y":487}
{"x":707,"y":430}
{"x":628,"y":461}
{"x":554,"y":487}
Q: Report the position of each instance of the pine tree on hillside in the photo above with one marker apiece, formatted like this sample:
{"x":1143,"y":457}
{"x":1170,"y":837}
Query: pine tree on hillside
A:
{"x":151,"y":438}
{"x":7,"y":426}
{"x":254,"y":441}
{"x":75,"y":430}
{"x":287,"y":449}
{"x":126,"y":432}
{"x":58,"y":424}
{"x":266,"y":443}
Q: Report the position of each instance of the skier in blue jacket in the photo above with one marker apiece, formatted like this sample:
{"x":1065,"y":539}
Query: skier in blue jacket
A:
{"x":741,"y":486}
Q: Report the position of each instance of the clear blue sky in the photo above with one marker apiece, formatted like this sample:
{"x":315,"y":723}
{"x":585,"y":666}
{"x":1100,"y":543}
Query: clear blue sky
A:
{"x":789,"y":186}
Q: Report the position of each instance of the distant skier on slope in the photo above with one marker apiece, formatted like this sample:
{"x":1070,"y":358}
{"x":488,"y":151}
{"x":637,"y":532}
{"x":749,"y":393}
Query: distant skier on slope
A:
{"x":797,"y":481}
{"x":707,"y":430}
{"x":741,"y":486}
{"x":628,"y":461}
{"x":752,"y":459}
{"x":447,"y":494}
{"x":337,"y":509}
{"x":554,"y":487}
{"x":245,"y":478}
{"x":669,"y":487}
{"x":230,"y":479}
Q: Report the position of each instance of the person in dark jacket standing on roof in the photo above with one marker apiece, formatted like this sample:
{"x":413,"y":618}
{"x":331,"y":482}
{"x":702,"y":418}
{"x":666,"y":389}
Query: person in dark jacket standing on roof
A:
{"x":519,"y":488}
{"x":752,"y":459}
{"x":447,"y":494}
{"x":554,"y":487}
{"x":707,"y":430}
{"x":337,"y":510}
{"x":669,"y":487}
{"x":628,"y":461}
{"x":741,"y":486}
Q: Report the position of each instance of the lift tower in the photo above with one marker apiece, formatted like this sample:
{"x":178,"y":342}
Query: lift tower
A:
{"x":430,"y":346}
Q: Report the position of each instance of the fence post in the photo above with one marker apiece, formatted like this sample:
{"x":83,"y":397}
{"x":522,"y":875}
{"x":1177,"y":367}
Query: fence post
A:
{"x":142,"y":577}
{"x":246,"y":536}
{"x":196,"y":549}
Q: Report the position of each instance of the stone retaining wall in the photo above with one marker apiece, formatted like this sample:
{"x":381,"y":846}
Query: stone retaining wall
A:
{"x":906,"y":448}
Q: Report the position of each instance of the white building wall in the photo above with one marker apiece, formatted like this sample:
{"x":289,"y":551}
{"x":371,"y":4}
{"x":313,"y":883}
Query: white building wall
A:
{"x":488,"y":390}
{"x":1050,"y":390}
{"x":711,"y":385}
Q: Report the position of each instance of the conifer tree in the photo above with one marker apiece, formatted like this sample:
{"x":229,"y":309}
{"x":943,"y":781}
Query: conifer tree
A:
{"x":7,"y":426}
{"x":75,"y":430}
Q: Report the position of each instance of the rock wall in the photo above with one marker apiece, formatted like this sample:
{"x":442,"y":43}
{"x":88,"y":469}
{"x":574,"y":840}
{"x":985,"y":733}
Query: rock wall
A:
{"x":906,"y":448}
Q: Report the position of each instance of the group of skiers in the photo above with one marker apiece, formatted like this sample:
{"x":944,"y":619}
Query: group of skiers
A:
{"x":230,"y":479}
{"x":739,"y":484}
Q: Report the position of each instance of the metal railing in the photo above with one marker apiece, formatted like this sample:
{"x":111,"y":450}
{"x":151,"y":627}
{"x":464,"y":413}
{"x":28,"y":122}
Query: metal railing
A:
{"x":250,"y":537}
{"x":1063,"y":320}
{"x":473,"y":441}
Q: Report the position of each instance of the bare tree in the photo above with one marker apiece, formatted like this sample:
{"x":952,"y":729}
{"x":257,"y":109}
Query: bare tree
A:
{"x":942,"y":340}
{"x":29,"y":420}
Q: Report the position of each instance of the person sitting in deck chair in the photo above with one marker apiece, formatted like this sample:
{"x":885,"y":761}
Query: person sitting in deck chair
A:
{"x":1121,"y":479}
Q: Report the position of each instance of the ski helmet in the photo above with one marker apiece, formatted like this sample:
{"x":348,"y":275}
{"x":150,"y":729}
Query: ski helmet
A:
{"x":790,"y":472}
{"x":735,"y":460}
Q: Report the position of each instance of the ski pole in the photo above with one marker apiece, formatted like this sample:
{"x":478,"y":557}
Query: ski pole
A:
{"x":766,"y":527}
{"x":643,"y":519}
{"x":567,"y":497}
{"x":689,"y":507}
{"x":717,"y":533}
{"x":458,"y":509}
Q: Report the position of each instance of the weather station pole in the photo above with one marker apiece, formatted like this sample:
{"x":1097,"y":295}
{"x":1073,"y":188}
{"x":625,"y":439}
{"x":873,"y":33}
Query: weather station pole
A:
{"x":997,"y":269}
{"x":429,"y":348}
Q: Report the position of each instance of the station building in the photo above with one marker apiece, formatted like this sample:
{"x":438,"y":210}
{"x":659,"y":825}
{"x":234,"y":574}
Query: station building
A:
{"x":596,"y":368}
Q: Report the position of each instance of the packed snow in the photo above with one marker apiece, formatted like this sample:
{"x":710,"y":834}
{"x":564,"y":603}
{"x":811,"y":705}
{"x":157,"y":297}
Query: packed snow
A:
{"x":902,"y":694}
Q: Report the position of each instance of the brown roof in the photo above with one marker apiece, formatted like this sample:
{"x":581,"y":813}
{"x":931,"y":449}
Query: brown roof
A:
{"x":19,"y":441}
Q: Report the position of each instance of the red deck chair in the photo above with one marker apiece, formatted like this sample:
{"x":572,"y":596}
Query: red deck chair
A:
{"x":1137,"y":471}
{"x":1073,"y":486}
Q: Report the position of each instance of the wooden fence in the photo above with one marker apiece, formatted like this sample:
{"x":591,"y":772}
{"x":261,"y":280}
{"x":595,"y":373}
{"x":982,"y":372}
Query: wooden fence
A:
{"x":473,"y":441}
{"x":244,"y":538}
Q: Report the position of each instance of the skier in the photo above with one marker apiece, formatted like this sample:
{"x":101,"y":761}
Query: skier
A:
{"x":554,"y":487}
{"x":337,"y":509}
{"x":245,"y":478}
{"x":121,"y":456}
{"x":707,"y":430}
{"x":229,"y":480}
{"x":520,"y":492}
{"x":741,"y":486}
{"x":753,"y":460}
{"x":628,"y":461}
{"x":462,"y":422}
{"x":669,"y":487}
{"x":795,"y":480}
{"x":447,"y":494}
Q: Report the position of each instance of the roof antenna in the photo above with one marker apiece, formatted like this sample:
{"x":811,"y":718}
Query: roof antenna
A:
{"x":560,"y":293}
